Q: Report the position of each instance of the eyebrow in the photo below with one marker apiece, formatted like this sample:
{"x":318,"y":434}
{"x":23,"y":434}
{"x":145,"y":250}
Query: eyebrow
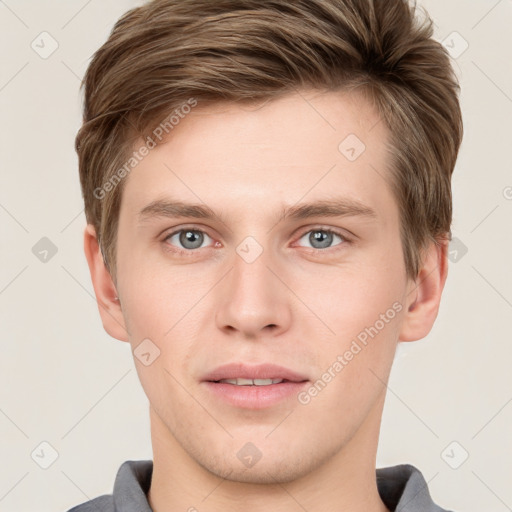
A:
{"x":340,"y":207}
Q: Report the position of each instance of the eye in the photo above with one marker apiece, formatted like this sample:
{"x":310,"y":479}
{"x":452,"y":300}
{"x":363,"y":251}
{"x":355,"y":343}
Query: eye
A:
{"x":187,"y":239}
{"x":323,"y":238}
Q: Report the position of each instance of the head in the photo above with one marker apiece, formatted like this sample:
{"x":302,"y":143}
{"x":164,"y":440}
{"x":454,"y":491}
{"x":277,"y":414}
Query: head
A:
{"x":251,"y":108}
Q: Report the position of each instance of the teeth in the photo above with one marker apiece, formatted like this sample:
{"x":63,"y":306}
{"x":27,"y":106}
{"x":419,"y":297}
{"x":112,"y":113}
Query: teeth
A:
{"x":244,"y":382}
{"x":251,"y":382}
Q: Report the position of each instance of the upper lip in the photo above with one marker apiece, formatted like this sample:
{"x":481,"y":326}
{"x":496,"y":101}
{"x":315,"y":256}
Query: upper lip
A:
{"x":260,"y":371}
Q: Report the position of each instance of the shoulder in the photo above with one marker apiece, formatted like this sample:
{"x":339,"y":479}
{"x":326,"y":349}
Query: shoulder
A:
{"x":130,"y":490}
{"x":403,"y":487}
{"x":103,"y":503}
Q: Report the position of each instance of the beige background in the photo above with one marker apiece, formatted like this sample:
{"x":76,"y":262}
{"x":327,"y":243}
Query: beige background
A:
{"x":65,"y":382}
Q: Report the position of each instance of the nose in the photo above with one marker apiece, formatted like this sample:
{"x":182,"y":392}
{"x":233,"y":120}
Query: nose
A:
{"x":253,"y":300}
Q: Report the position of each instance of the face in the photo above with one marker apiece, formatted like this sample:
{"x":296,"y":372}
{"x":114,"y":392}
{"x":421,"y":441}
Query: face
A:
{"x":314,"y":296}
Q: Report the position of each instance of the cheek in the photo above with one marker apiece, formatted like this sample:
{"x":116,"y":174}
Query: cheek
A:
{"x":157,"y":295}
{"x":354,"y":363}
{"x":351,"y":298}
{"x":362,"y":305}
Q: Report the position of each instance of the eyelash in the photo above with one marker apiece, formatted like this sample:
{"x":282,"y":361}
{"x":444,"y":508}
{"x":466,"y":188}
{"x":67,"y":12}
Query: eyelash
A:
{"x":191,"y":252}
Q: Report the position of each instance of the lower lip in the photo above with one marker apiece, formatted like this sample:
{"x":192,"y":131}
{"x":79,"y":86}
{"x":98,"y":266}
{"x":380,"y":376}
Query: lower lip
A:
{"x":255,"y":397}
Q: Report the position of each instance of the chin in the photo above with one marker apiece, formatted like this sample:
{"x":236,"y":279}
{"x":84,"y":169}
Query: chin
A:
{"x":278,"y":468}
{"x":265,"y":473}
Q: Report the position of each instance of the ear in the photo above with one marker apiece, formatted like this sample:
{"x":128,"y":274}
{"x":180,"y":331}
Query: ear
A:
{"x":104,"y":288}
{"x":424,"y":294}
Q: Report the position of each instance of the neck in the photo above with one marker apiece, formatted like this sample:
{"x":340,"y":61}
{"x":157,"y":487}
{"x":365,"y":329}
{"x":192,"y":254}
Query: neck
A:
{"x":346,"y":482}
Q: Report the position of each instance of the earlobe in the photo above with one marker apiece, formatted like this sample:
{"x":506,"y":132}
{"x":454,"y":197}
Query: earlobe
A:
{"x":424,"y":295}
{"x":104,"y":288}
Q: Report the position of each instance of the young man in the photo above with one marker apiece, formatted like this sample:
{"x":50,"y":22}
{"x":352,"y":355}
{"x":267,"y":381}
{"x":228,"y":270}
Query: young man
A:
{"x":267,"y":191}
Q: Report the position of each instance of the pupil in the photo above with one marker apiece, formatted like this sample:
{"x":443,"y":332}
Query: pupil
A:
{"x":191,"y":239}
{"x":323,"y":238}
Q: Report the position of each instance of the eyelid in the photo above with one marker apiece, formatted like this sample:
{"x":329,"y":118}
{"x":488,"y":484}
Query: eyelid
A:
{"x":337,"y":231}
{"x":178,"y":229}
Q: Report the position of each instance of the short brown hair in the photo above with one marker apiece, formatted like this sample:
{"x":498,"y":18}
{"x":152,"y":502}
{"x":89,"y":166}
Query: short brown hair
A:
{"x":160,"y":55}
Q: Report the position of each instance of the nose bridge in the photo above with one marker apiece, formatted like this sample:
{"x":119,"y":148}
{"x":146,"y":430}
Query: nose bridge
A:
{"x":254,"y":298}
{"x":253,"y":284}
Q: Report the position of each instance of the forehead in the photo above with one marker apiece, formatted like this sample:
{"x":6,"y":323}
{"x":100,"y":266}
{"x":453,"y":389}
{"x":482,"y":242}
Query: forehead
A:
{"x":268,"y":154}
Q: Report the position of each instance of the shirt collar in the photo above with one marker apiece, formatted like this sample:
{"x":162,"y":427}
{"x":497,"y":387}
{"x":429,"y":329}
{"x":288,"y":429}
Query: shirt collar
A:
{"x":402,"y":488}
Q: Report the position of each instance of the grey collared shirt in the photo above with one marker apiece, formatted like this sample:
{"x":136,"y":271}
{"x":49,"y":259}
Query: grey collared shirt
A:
{"x":402,"y":489}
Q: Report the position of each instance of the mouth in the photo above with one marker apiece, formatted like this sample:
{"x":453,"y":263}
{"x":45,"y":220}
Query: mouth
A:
{"x":241,"y":374}
{"x":251,"y":382}
{"x":254,"y":387}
